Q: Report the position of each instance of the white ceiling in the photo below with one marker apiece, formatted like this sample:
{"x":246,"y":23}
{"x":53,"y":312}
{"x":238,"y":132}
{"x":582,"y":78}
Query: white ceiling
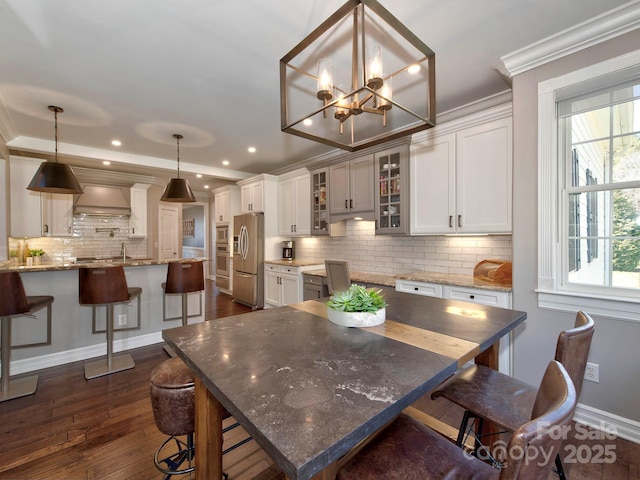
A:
{"x":139,"y":71}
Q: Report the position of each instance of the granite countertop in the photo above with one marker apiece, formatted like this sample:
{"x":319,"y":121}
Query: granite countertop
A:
{"x":455,"y":279}
{"x":295,"y":262}
{"x":55,"y":266}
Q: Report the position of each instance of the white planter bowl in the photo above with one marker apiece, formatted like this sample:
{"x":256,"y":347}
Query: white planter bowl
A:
{"x":357,"y":319}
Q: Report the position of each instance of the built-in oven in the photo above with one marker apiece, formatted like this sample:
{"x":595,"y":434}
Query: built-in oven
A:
{"x":223,"y":260}
{"x":222,"y":234}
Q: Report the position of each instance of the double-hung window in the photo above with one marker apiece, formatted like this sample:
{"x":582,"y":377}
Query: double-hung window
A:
{"x":589,"y":192}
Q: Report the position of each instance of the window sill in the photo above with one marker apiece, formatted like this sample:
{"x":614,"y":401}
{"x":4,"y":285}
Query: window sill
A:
{"x":617,"y":308}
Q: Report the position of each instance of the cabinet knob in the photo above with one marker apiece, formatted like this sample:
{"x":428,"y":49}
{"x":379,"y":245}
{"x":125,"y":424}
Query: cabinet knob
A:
{"x":472,"y":297}
{"x":415,"y":288}
{"x":450,"y":221}
{"x":460,"y":220}
{"x":346,"y":203}
{"x":351,"y":203}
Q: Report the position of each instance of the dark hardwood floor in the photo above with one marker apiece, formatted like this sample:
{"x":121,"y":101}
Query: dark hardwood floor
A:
{"x":74,"y":429}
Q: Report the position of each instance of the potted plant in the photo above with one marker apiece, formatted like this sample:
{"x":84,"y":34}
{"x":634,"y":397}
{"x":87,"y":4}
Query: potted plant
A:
{"x":36,"y":253}
{"x":357,"y":307}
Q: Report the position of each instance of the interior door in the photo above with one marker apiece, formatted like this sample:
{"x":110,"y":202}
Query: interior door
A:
{"x":168,"y":240}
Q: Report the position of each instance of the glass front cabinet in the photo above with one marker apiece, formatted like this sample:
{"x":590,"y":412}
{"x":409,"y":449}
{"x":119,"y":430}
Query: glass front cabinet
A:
{"x":392,"y":191}
{"x":319,"y":204}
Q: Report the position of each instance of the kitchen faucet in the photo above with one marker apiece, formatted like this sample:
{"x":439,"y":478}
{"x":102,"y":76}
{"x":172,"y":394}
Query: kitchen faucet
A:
{"x":123,"y":251}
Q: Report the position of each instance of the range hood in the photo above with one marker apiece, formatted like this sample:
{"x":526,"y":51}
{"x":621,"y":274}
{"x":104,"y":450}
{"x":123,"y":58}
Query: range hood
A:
{"x":102,"y":200}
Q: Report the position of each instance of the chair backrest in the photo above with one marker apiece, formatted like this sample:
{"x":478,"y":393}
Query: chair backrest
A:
{"x":338,"y":278}
{"x":13,"y":299}
{"x":185,"y":277}
{"x":533,"y":447}
{"x":99,"y":286}
{"x":573,"y":347}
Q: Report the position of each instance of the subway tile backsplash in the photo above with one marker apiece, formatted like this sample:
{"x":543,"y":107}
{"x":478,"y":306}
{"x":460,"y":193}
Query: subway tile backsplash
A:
{"x":91,"y":238}
{"x":367,"y":252}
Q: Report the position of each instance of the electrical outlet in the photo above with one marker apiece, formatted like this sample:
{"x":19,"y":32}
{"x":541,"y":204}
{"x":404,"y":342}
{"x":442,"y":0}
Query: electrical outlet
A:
{"x":122,"y":320}
{"x":592,"y":372}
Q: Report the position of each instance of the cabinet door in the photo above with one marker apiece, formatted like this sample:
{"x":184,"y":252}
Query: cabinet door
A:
{"x":432,"y":186}
{"x":257,"y":197}
{"x":286,"y":207}
{"x":290,"y":289}
{"x":484,"y":183}
{"x":391,"y":191}
{"x":361,"y":185}
{"x":339,"y":188}
{"x":138,"y":220}
{"x":222,"y":207}
{"x":302,"y":194}
{"x":57,"y":215}
{"x":245,"y":198}
{"x":272,"y":289}
{"x":26,"y":213}
{"x":319,"y":214}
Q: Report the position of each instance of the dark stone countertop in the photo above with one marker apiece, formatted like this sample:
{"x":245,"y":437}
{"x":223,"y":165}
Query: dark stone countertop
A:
{"x":55,"y":266}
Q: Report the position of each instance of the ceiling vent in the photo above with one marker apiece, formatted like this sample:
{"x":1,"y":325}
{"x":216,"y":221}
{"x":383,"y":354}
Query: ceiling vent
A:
{"x":102,"y":200}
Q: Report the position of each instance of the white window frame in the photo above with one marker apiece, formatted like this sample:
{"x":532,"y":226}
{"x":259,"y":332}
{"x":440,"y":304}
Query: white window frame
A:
{"x":551,"y":236}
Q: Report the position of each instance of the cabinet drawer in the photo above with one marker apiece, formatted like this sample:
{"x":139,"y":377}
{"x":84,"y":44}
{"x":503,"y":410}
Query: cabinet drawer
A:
{"x":313,"y":280}
{"x":271,"y":268}
{"x":419,"y":288}
{"x":290,"y":270}
{"x":483,"y":297}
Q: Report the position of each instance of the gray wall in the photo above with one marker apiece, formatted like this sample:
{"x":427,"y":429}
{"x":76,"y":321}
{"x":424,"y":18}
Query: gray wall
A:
{"x":616,"y":343}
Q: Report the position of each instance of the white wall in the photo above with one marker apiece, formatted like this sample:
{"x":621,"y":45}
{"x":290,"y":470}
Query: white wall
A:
{"x":615,"y":343}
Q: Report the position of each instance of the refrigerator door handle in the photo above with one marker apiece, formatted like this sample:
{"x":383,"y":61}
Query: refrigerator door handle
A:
{"x":245,"y":242}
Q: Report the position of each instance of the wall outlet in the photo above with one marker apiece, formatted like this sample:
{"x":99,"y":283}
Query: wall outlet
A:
{"x":122,"y":320}
{"x":592,"y":372}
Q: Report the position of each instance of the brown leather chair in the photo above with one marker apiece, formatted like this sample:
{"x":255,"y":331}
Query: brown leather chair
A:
{"x":14,"y":301}
{"x":106,"y":286}
{"x":505,"y":401}
{"x":182,"y":278}
{"x":407,"y":449}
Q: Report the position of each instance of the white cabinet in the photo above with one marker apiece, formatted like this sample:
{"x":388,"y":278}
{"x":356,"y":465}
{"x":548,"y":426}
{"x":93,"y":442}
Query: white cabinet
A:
{"x":252,"y":197}
{"x":26,"y":213}
{"x":392,"y":195}
{"x":351,"y":187}
{"x":138,"y":219}
{"x":294,"y":209}
{"x":57,"y":215}
{"x":226,"y":203}
{"x":481,"y":296}
{"x":461,"y":182}
{"x":284,"y":285}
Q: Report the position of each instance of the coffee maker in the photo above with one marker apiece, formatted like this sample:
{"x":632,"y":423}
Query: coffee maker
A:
{"x":288,"y":250}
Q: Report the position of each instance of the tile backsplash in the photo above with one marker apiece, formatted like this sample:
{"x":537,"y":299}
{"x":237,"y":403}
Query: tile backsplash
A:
{"x":91,"y":237}
{"x":367,"y":252}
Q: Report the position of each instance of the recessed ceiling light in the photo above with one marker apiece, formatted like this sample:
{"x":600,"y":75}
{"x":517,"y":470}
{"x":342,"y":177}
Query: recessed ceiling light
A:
{"x":199,"y":175}
{"x":252,"y":149}
{"x":415,"y":68}
{"x":206,"y":186}
{"x":116,"y":143}
{"x":307,"y":122}
{"x":225,"y":162}
{"x":106,"y":162}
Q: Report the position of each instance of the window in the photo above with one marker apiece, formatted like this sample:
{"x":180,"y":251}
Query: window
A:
{"x":589,"y":189}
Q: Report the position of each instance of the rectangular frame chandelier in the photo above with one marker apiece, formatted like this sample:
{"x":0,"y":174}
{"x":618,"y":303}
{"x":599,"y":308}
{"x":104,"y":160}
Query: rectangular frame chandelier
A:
{"x":359,"y":79}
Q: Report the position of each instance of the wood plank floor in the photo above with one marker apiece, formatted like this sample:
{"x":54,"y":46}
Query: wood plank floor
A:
{"x":74,"y":429}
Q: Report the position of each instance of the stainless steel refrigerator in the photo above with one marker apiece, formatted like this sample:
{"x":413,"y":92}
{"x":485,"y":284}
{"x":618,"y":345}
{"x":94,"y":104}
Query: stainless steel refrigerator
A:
{"x":248,"y":259}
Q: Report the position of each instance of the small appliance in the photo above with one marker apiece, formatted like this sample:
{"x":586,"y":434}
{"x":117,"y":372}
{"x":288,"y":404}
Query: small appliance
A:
{"x":288,"y":250}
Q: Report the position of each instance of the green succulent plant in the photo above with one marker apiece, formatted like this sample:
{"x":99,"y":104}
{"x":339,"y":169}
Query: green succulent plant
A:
{"x":36,"y":252}
{"x":357,"y":299}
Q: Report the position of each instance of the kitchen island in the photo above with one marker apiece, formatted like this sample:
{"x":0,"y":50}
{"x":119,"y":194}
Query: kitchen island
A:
{"x":72,"y":337}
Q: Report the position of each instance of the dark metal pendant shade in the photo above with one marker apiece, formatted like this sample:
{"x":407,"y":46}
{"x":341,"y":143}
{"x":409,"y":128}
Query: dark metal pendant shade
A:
{"x":178,"y":191}
{"x":53,"y":177}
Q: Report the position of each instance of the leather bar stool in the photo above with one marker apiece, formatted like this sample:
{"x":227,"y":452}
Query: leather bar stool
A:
{"x":408,"y":449}
{"x":183,"y":278}
{"x":14,"y":301}
{"x":507,"y":402}
{"x":105,"y":286}
{"x":338,"y":278}
{"x":173,"y":405}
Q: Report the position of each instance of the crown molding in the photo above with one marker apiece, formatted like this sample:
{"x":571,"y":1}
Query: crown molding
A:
{"x":606,"y":26}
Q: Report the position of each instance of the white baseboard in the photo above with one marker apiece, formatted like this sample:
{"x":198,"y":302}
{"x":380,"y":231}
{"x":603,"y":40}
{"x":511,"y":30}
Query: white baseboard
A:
{"x":601,"y":420}
{"x":83,"y":353}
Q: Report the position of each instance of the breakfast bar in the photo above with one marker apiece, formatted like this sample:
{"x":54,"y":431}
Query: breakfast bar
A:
{"x":308,"y":390}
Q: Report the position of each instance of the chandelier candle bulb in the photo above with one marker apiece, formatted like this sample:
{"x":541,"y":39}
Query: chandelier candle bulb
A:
{"x":325,"y":79}
{"x":374,"y":61}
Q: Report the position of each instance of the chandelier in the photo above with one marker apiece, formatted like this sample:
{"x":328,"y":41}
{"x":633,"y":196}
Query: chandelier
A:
{"x":178,"y":189}
{"x":359,"y":79}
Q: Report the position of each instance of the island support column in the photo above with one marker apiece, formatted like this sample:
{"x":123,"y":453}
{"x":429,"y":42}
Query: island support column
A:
{"x":208,"y":434}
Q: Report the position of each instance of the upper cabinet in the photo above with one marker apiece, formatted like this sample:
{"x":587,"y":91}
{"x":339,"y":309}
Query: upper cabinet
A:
{"x":138,"y":219}
{"x":26,"y":213}
{"x":294,"y":191}
{"x":392,"y":191}
{"x":255,"y":190}
{"x":226,"y":203}
{"x":351,"y":187}
{"x":57,"y":215}
{"x":461,"y":181}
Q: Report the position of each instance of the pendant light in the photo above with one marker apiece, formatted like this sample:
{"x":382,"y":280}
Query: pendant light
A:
{"x":178,"y":189}
{"x":54,"y":177}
